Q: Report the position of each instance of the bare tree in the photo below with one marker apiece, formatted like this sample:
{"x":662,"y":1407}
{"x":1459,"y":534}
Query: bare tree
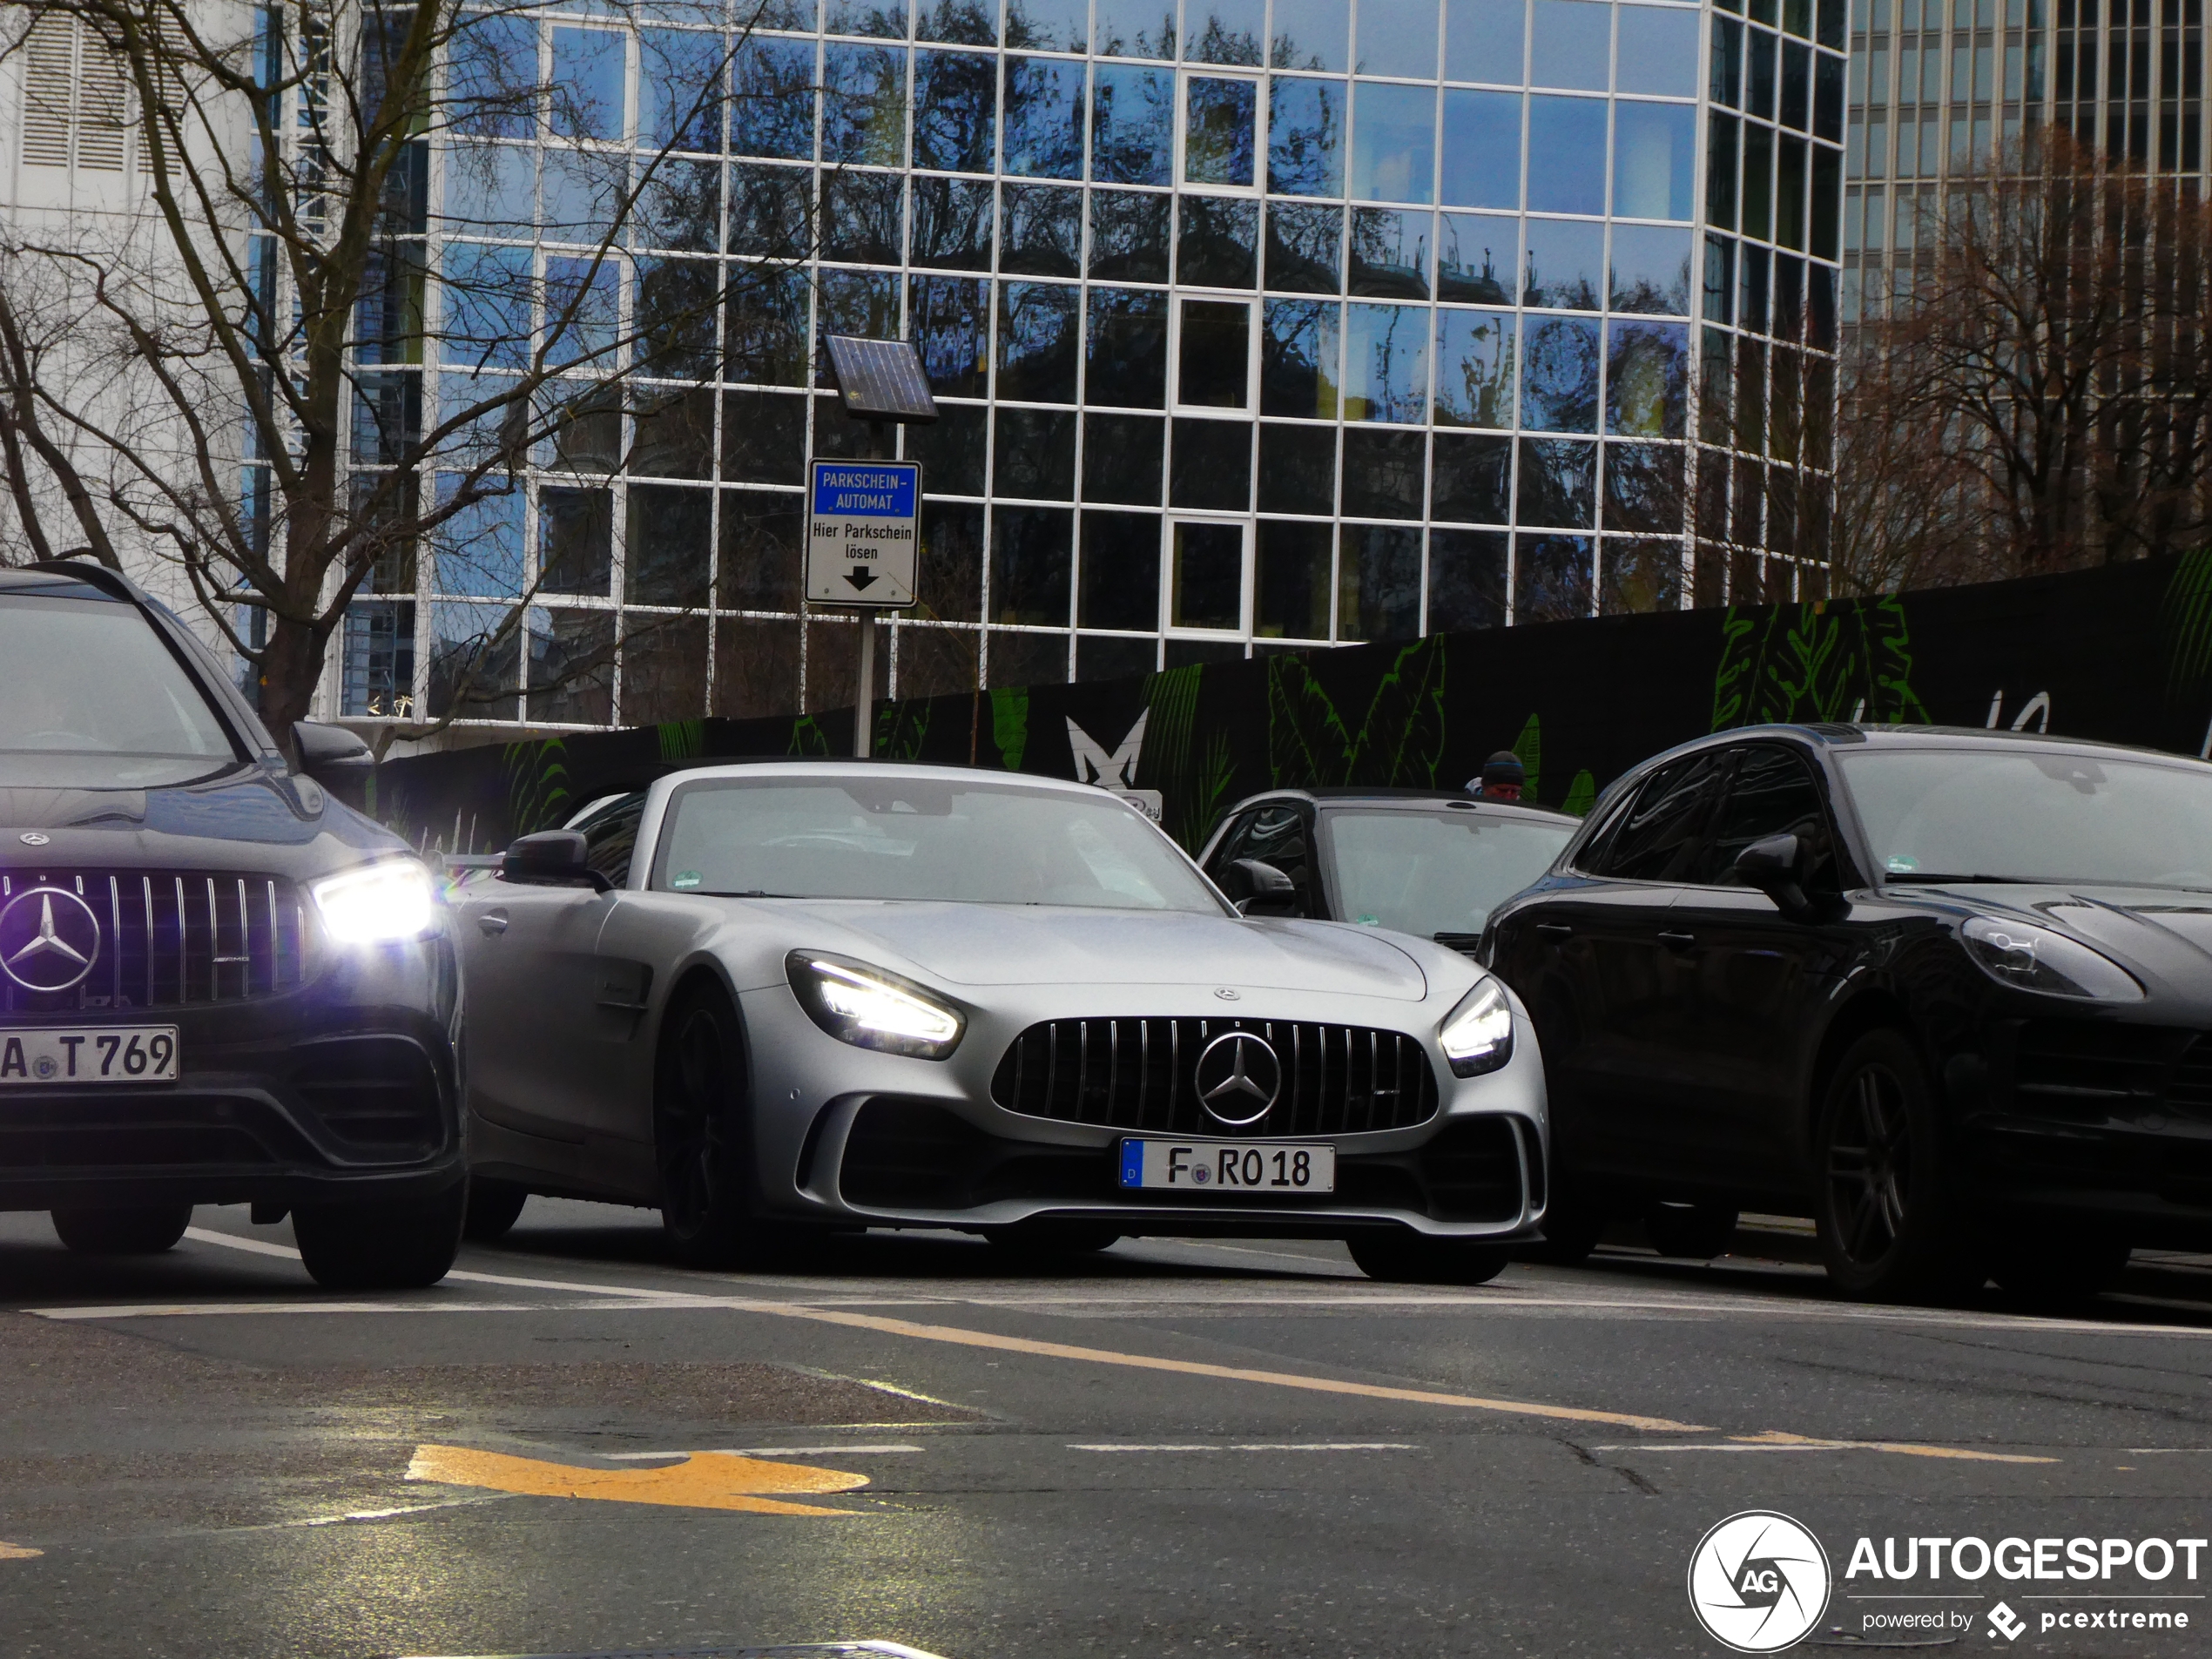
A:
{"x":269,"y":302}
{"x":2045,"y":399}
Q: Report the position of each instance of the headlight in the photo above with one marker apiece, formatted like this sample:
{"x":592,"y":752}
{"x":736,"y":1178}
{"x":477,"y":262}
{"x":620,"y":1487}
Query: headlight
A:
{"x":377,"y":903}
{"x":2035,"y":959}
{"x":1478,"y":1035}
{"x":872,"y":1009}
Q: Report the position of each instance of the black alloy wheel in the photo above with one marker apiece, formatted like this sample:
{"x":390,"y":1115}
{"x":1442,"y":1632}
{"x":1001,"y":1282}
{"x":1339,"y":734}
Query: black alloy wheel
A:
{"x":145,"y":1230}
{"x":1889,"y":1226}
{"x":493,"y":1208}
{"x":1407,"y":1257}
{"x":1695,"y":1231}
{"x":701,"y":1135}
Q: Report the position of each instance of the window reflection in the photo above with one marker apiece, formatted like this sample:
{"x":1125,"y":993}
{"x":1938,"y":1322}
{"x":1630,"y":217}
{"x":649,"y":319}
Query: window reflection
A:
{"x":1303,"y":248}
{"x":1129,"y":235}
{"x":1558,"y":484}
{"x":772,"y":106}
{"x":1123,"y":456}
{"x":1043,"y":231}
{"x":1650,"y":270}
{"x":1640,"y":576}
{"x":1658,"y":50}
{"x":1121,"y":571}
{"x":1467,"y":580}
{"x":1218,"y":243}
{"x":1654,"y":145}
{"x":1298,"y":468}
{"x":952,"y":224}
{"x":763,"y":328}
{"x":1481,"y":149}
{"x":1034,"y":454}
{"x":955,"y":111}
{"x":1291,"y":582}
{"x":1133,"y":28}
{"x":1643,"y":486}
{"x":864,"y":108}
{"x":1473,"y":479}
{"x":668,"y":559}
{"x":1559,"y":375}
{"x":1383,"y":472}
{"x":1474,"y":369}
{"x":1567,"y":149}
{"x":1305,"y":136}
{"x":763,"y":532}
{"x":1210,"y":464}
{"x":1132,"y":136}
{"x":1207,"y":587}
{"x":1551,"y":578}
{"x":1478,"y":258}
{"x":1378,"y":582}
{"x":1484,"y":40}
{"x":1386,"y":374}
{"x":1311,"y":34}
{"x":1389,"y":253}
{"x":951,"y":450}
{"x":1225,"y":31}
{"x":1566,"y":264}
{"x":863,"y":216}
{"x":886,"y":18}
{"x":1048,"y":26}
{"x":1037,"y":342}
{"x":1393,"y":142}
{"x":771,"y":211}
{"x":1127,"y":357}
{"x":1218,"y":137}
{"x":1029,"y":568}
{"x":1215,"y":354}
{"x":1397,"y":37}
{"x":1044,"y":117}
{"x":1571,"y":44}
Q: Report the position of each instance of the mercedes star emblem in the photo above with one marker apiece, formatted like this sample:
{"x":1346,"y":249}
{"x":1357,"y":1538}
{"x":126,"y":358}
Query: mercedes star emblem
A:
{"x":33,"y":838}
{"x":1239,"y":1077}
{"x":48,"y":939}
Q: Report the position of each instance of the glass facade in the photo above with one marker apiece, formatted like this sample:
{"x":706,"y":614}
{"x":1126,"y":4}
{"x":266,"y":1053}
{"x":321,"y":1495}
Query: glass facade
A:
{"x":1254,"y":328}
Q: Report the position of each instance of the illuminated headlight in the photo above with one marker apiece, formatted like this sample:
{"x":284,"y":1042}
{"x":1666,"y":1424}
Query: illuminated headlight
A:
{"x":1478,"y":1036}
{"x":872,"y":1009}
{"x":377,"y":903}
{"x":2035,"y":959}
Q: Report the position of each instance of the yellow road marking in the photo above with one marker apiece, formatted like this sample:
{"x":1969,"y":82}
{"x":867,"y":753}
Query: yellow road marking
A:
{"x":703,"y":1481}
{"x":17,"y":1552}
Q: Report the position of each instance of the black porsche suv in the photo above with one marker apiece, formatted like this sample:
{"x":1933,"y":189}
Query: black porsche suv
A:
{"x":218,"y":984}
{"x":1949,"y":992}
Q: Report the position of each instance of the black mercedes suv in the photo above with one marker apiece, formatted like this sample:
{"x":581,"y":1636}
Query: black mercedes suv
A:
{"x":218,"y":984}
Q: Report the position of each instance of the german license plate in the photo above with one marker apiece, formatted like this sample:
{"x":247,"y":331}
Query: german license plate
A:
{"x":1228,"y":1166}
{"x":92,"y":1054}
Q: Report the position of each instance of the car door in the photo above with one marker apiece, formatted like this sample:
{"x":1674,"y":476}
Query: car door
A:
{"x":530,"y":957}
{"x":1756,"y":979}
{"x":1606,"y":991}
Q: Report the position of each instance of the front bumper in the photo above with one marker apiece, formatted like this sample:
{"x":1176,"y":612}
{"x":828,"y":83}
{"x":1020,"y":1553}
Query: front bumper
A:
{"x":347,"y":1088}
{"x":848,"y":1135}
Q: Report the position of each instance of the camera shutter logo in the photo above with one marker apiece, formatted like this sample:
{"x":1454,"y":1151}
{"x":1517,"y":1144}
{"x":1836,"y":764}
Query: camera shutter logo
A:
{"x":48,"y":939}
{"x":1758,"y":1582}
{"x":1238,"y":1077}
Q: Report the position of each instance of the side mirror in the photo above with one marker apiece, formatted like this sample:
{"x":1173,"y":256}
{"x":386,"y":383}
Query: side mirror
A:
{"x":1258,"y":888}
{"x":1772,"y":865}
{"x":329,"y":754}
{"x":550,"y":858}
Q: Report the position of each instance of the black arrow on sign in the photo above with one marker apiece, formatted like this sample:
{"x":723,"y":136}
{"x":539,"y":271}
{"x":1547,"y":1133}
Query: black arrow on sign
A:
{"x":861,"y":578}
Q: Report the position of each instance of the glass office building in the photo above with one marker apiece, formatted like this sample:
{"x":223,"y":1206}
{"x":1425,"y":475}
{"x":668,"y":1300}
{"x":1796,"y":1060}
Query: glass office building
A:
{"x":1255,"y":326}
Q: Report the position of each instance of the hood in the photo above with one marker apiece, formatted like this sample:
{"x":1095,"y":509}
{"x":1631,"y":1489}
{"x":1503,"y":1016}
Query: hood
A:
{"x":971,"y":944}
{"x":234,"y":819}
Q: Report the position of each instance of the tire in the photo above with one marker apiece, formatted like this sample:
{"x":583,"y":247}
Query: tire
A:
{"x":392,"y":1244}
{"x":1887,"y":1211}
{"x":1574,"y":1222}
{"x":1698,"y":1231}
{"x":2058,"y":1273}
{"x":1055,"y":1237}
{"x":1408,"y":1258}
{"x":145,"y":1230}
{"x":702,"y":1138}
{"x":493,"y":1208}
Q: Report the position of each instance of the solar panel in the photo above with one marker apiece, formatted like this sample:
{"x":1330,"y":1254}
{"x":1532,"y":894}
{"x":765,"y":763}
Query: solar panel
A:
{"x":881,"y":380}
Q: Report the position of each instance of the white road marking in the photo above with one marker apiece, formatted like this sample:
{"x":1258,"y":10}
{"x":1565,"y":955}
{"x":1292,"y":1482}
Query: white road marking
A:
{"x":762,"y":1451}
{"x":1266,"y":1446}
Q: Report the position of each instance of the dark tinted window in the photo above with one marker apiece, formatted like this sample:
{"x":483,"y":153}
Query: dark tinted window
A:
{"x":1654,"y":838}
{"x":1771,"y":793}
{"x":1232,"y":841}
{"x":1276,"y":835}
{"x":611,"y":836}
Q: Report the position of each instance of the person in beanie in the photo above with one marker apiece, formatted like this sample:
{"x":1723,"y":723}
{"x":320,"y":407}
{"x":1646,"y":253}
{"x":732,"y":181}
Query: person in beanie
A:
{"x":1502,"y":777}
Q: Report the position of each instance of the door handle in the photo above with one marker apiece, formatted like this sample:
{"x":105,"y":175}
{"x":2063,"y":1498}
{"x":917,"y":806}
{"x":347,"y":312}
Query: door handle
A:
{"x":492,"y":923}
{"x":1678,"y":941}
{"x":1554,"y":929}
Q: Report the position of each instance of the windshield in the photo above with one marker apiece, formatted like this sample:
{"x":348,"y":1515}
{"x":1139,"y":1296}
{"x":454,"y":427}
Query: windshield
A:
{"x":2028,"y":816}
{"x":91,"y":697}
{"x":1436,"y":873}
{"x":925,"y":838}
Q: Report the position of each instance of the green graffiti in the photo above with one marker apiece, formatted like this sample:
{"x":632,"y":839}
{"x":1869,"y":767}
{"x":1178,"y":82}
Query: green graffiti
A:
{"x":808,"y":737}
{"x":1580,"y":794}
{"x":1197,"y":786}
{"x":1829,"y":660}
{"x":901,"y":728}
{"x":2186,"y":618}
{"x":1010,"y":723}
{"x":537,"y":784}
{"x":1529,"y":749}
{"x":682,"y":739}
{"x":1401,"y":740}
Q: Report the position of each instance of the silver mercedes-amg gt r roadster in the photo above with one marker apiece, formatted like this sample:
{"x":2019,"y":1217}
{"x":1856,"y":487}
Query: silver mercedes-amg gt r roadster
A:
{"x":783,"y":995}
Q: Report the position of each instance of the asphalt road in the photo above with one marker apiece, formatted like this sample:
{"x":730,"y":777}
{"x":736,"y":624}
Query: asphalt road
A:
{"x":1172,"y":1448}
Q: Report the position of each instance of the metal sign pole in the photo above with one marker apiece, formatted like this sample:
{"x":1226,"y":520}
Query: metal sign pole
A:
{"x":864,"y":704}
